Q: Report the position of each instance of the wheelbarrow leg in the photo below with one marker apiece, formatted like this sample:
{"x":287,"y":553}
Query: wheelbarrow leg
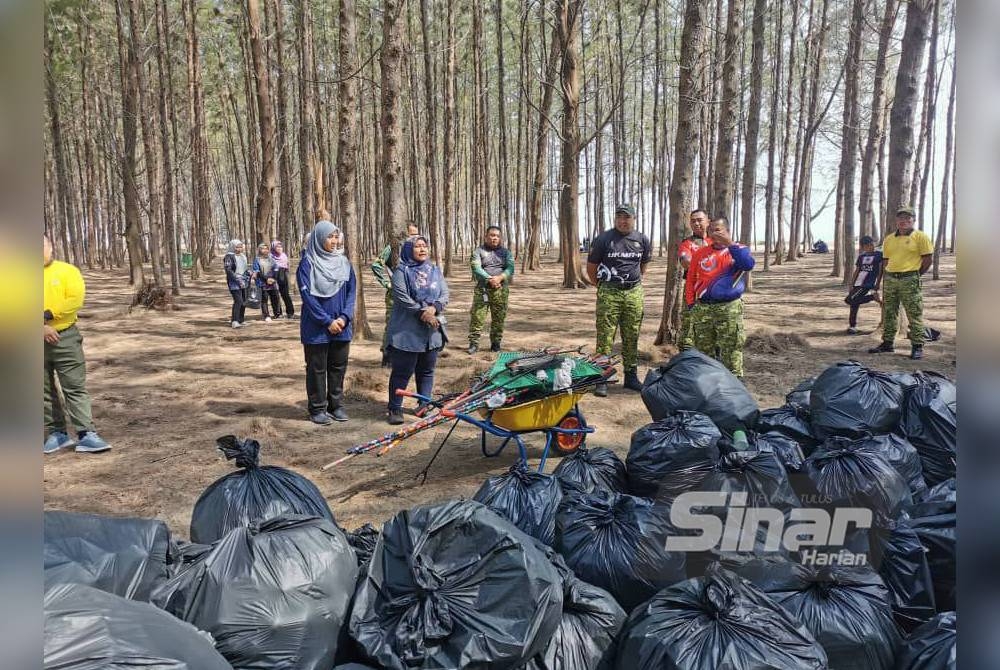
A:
{"x":522,"y":451}
{"x":422,"y":475}
{"x":545,"y":452}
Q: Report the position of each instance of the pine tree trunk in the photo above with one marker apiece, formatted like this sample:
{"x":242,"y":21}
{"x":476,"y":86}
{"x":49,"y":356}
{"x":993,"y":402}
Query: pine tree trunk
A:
{"x":264,"y":197}
{"x":391,"y":60}
{"x":303,"y":31}
{"x":532,"y":257}
{"x":772,"y":138}
{"x":787,"y":134}
{"x":430,"y":159}
{"x":569,"y":19}
{"x":749,"y":190}
{"x":901,"y":116}
{"x":449,"y":149}
{"x":876,"y":127}
{"x":722,"y":184}
{"x":949,"y":145}
{"x":927,"y":125}
{"x":685,"y":154}
{"x":849,"y":141}
{"x":286,"y":193}
{"x":130,"y":120}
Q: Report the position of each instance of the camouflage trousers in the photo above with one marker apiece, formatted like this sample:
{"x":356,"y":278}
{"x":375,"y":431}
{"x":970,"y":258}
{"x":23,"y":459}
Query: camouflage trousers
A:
{"x":903,"y":291}
{"x":622,"y":310}
{"x":718,"y":332}
{"x":686,"y":339}
{"x":494,"y":302}
{"x":388,"y":312}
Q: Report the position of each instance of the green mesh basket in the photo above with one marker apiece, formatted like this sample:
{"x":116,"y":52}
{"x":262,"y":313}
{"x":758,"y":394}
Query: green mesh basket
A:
{"x":499,"y":375}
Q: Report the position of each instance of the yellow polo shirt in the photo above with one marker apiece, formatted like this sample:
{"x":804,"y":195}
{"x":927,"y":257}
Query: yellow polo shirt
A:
{"x":904,"y":251}
{"x":64,"y":291}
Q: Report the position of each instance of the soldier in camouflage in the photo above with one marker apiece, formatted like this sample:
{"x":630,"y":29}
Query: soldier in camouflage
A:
{"x":713,"y":290}
{"x":492,"y":269}
{"x":382,"y":268}
{"x":616,"y":263}
{"x":685,"y":252}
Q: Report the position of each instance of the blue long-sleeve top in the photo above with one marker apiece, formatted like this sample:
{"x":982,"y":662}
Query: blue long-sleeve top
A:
{"x":234,"y":281}
{"x":319,"y":313}
{"x":262,"y":277}
{"x":406,"y":331}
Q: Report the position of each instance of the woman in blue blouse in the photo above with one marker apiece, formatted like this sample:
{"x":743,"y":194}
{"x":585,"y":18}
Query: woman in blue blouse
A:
{"x":327,"y":285}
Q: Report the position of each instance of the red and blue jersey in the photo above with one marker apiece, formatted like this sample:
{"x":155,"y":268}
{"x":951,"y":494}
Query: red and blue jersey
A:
{"x":717,"y":274}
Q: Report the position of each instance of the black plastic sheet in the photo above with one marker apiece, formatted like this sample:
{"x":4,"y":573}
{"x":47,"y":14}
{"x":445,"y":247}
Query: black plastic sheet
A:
{"x":274,"y":594}
{"x":253,"y":493}
{"x":851,"y":473}
{"x":847,"y":609}
{"x":526,"y":498}
{"x":455,"y":585}
{"x":617,"y":542}
{"x":695,"y":382}
{"x":593,"y":469}
{"x":716,"y":622}
{"x":849,"y":399}
{"x":930,"y":422}
{"x":90,"y":629}
{"x":124,"y":556}
{"x":932,"y":646}
{"x":672,"y":455}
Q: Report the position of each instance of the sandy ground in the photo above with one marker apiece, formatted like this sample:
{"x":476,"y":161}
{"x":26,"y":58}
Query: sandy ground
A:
{"x":165,"y":385}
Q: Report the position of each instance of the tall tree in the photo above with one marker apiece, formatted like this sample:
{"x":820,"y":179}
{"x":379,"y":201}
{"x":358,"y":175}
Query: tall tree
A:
{"x":430,"y":159}
{"x":307,"y":163}
{"x":532,"y":257}
{"x":569,"y":19}
{"x":201,"y":236}
{"x":265,"y":120}
{"x":449,"y":124}
{"x":849,"y":141}
{"x":685,"y":153}
{"x":286,"y":194}
{"x":392,"y":78}
{"x":723,"y":184}
{"x":130,"y":187}
{"x":949,"y":145}
{"x":749,"y":189}
{"x":901,"y":117}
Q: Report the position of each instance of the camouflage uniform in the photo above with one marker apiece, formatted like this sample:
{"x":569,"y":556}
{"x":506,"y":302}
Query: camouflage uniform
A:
{"x":620,"y":308}
{"x":718,"y":332}
{"x":686,"y":340}
{"x":488,"y":300}
{"x":903,"y":291}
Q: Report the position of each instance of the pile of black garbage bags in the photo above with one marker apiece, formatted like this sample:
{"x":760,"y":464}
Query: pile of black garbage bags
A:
{"x":679,"y":556}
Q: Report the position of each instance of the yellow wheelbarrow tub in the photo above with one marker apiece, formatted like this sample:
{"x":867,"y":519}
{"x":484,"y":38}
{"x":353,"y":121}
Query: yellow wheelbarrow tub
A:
{"x":534,"y":415}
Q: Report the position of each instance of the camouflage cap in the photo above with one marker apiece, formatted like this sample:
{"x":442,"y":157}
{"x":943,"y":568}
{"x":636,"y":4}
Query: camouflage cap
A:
{"x":905,"y":210}
{"x":625,"y":209}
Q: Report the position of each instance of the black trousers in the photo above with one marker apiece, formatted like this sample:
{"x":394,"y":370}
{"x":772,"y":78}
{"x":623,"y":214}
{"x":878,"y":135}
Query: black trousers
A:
{"x":326,"y":366}
{"x":239,"y":304}
{"x":283,"y":289}
{"x":409,"y":364}
{"x":271,"y":295}
{"x":858,"y":296}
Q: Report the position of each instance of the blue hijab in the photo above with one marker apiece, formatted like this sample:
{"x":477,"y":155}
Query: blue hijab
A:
{"x":329,"y":270}
{"x":423,"y":278}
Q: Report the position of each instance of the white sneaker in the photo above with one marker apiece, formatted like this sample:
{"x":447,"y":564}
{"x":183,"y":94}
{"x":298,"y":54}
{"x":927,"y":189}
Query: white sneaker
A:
{"x":267,"y":319}
{"x":237,"y":324}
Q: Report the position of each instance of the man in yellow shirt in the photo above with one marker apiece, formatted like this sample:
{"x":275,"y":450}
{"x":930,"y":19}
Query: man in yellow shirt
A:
{"x":63,"y":296}
{"x":906,"y":256}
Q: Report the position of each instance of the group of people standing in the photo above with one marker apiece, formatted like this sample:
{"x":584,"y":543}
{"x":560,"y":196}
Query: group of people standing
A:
{"x":268,"y":274}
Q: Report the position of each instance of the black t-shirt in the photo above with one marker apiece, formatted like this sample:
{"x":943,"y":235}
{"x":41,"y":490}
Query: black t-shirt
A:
{"x":618,"y":257}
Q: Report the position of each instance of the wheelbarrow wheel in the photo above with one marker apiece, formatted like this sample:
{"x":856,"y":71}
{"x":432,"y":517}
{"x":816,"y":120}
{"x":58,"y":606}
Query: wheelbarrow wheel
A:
{"x":567,"y":443}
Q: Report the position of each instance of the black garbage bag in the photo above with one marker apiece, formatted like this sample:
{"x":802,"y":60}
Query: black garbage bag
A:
{"x":757,"y":474}
{"x":672,"y":455}
{"x":363,"y":541}
{"x":791,"y":420}
{"x":901,"y":561}
{"x":939,"y":499}
{"x":526,"y":498}
{"x":90,"y":629}
{"x":124,"y":556}
{"x":902,"y":456}
{"x":354,"y":666}
{"x":930,"y":422}
{"x":182,"y":555}
{"x":253,"y":493}
{"x":593,"y":469}
{"x":849,"y":399}
{"x":456,"y":585}
{"x":847,"y":609}
{"x":272,"y":594}
{"x":714,"y":622}
{"x":800,"y":394}
{"x":934,"y":524}
{"x":618,"y":542}
{"x":788,"y":450}
{"x":932,"y":646}
{"x":850,"y":473}
{"x":695,"y":382}
{"x":585,"y":639}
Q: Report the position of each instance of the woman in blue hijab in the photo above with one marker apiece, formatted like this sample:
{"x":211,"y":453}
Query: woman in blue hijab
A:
{"x":327,"y":286}
{"x":416,"y":329}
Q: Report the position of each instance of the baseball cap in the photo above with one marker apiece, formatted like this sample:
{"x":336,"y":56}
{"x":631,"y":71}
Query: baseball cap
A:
{"x":904,"y":209}
{"x":625,"y":209}
{"x":866,"y":239}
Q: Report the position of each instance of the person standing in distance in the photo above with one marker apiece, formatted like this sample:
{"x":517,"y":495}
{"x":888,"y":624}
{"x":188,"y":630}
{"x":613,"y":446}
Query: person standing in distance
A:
{"x":63,"y":293}
{"x":492,"y":268}
{"x":867,"y":269}
{"x":906,"y":256}
{"x":685,"y":252}
{"x":382,"y":268}
{"x":713,"y":292}
{"x":616,"y":263}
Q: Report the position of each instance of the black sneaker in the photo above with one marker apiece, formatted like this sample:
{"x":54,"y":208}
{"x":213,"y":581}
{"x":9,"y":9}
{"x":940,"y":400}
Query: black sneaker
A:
{"x":851,"y":330}
{"x":323,"y":419}
{"x":396,"y":417}
{"x":494,"y":347}
{"x":632,"y":381}
{"x":601,"y":390}
{"x":916,"y":353}
{"x":339,"y":414}
{"x":473,"y":348}
{"x":883,"y":348}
